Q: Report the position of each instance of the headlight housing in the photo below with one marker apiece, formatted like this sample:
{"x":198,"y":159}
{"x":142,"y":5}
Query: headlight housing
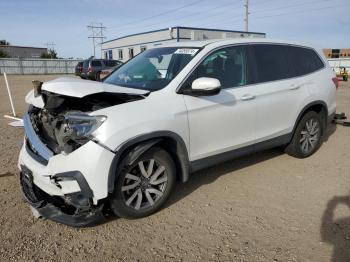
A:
{"x":77,"y":128}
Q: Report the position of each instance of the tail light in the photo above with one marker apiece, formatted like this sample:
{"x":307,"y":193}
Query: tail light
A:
{"x":89,"y":69}
{"x":336,"y":82}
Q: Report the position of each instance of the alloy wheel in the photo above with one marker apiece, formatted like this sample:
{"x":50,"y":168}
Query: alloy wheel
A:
{"x":144,"y":184}
{"x":310,"y":135}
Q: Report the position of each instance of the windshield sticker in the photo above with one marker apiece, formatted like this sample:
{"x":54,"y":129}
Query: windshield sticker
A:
{"x":186,"y":51}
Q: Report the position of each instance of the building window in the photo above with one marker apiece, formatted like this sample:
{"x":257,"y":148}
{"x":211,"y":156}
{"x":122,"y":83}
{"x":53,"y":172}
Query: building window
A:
{"x":120,"y":54}
{"x":143,"y":48}
{"x":105,"y":55}
{"x":110,"y":54}
{"x":131,"y":53}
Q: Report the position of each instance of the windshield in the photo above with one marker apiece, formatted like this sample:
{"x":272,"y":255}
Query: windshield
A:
{"x":153,"y":69}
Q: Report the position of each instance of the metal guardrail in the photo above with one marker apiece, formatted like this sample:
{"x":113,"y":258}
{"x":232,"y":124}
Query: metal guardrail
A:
{"x":18,"y":66}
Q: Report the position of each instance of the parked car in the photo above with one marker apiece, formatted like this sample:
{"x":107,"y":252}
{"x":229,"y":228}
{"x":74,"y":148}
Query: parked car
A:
{"x":107,"y":72}
{"x":166,"y":113}
{"x":92,"y":68}
{"x":79,"y":68}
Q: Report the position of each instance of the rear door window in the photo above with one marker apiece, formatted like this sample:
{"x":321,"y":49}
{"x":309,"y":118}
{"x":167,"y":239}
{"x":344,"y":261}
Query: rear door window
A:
{"x":110,"y":63}
{"x":270,"y":62}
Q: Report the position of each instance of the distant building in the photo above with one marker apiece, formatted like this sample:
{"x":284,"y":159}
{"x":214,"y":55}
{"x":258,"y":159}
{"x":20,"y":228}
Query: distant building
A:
{"x":23,"y":51}
{"x":337,"y":53}
{"x":127,"y":47}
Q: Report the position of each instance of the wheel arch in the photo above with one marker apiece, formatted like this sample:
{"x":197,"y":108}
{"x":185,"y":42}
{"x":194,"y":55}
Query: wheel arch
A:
{"x":317,"y":106}
{"x":129,"y":151}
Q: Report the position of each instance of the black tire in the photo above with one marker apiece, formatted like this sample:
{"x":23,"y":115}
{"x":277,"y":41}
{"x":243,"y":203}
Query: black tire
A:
{"x":119,"y":199}
{"x":297,"y":146}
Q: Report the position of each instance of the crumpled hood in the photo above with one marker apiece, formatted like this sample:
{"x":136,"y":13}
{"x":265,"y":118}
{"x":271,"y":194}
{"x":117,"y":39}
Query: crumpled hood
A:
{"x":76,"y":87}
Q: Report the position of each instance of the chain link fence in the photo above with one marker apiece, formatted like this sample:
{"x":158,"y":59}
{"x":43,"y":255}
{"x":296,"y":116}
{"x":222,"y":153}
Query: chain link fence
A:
{"x":26,"y":66}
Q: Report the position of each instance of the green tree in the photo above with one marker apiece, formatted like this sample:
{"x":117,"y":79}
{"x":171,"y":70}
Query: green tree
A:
{"x":51,"y":54}
{"x":4,"y":42}
{"x":3,"y":54}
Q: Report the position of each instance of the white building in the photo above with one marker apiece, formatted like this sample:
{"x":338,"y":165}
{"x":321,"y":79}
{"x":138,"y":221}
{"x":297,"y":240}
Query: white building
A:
{"x":126,"y":47}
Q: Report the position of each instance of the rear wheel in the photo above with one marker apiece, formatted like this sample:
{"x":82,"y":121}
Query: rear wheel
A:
{"x":307,"y":136}
{"x":144,"y":187}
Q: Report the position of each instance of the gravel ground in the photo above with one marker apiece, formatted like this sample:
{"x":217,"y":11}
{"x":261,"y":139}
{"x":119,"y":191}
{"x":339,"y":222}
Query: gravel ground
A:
{"x":265,"y":207}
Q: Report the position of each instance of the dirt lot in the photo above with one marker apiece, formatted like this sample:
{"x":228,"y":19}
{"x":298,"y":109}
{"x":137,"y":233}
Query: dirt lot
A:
{"x":266,"y":207}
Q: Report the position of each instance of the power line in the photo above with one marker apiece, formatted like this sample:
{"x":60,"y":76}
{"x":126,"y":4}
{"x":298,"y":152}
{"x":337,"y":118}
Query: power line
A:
{"x":159,"y":14}
{"x":298,"y":12}
{"x":225,"y":20}
{"x":283,"y":14}
{"x":199,"y":13}
{"x":97,"y":34}
{"x":294,"y":5}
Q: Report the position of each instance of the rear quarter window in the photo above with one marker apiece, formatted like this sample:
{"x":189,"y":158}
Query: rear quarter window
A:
{"x":304,"y":60}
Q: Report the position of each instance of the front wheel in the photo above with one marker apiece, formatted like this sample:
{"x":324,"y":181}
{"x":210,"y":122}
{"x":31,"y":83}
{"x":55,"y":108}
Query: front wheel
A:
{"x":307,"y":136}
{"x":143,"y":187}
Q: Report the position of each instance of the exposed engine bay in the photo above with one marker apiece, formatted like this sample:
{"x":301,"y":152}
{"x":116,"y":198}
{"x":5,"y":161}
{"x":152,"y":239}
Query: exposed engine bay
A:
{"x":63,"y":124}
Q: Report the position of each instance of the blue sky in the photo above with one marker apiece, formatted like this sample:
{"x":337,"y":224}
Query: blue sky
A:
{"x":325,"y":23}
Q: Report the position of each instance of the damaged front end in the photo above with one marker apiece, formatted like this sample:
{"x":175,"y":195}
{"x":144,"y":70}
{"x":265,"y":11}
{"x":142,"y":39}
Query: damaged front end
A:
{"x":60,"y":124}
{"x":64,"y":123}
{"x":75,"y":209}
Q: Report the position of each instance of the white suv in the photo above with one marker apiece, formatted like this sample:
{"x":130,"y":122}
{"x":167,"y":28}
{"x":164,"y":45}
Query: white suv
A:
{"x":166,"y":113}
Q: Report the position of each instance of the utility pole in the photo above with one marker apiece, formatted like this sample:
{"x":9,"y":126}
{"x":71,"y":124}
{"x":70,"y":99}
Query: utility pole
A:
{"x":96,"y":35}
{"x":246,"y":5}
{"x":50,"y":45}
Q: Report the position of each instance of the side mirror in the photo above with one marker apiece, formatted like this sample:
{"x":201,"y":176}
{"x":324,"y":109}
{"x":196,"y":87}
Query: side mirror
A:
{"x":205,"y":86}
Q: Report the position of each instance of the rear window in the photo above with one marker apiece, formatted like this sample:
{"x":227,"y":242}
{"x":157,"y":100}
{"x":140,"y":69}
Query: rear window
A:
{"x":96,"y":63}
{"x":86,"y":64}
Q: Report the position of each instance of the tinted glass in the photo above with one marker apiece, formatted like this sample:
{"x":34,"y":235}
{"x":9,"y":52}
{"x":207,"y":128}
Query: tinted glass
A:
{"x":304,"y":60}
{"x":153,"y":69}
{"x":86,"y":64}
{"x":228,"y":65}
{"x":110,"y":63}
{"x":96,"y":63}
{"x":271,"y":62}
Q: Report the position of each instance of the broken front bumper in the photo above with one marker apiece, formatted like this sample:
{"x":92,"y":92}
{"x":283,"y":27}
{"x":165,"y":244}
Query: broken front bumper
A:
{"x":68,"y":188}
{"x":72,"y":209}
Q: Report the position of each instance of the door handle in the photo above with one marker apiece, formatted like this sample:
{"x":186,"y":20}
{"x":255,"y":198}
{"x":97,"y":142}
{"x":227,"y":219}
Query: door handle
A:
{"x":294,"y":87}
{"x":247,"y":97}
